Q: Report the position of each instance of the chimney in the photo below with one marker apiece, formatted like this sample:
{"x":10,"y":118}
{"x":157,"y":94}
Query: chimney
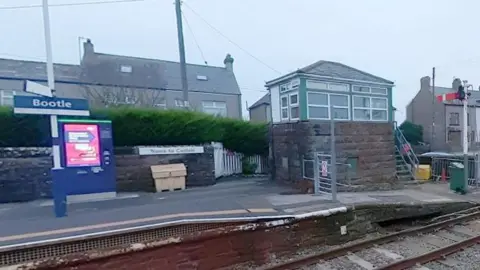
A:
{"x":88,"y":51}
{"x":456,"y":83}
{"x":228,"y":62}
{"x":425,"y":83}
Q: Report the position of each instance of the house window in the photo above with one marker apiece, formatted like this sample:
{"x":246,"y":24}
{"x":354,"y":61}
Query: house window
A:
{"x":289,"y":108}
{"x":180,"y":103}
{"x":317,"y":85}
{"x":370,"y":108}
{"x":6,"y":97}
{"x":294,"y":109}
{"x":284,"y":107}
{"x":317,"y":104}
{"x":291,"y":85}
{"x":340,"y":107}
{"x":217,"y":108}
{"x":322,"y":105}
{"x":369,"y":90}
{"x":454,"y":119}
{"x":161,"y":104}
{"x":126,"y":69}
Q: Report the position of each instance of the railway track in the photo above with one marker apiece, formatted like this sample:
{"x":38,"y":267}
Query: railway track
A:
{"x":434,"y":246}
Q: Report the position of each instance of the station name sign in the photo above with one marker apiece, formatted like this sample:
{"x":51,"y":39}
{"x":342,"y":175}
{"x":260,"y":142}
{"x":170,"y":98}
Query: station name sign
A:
{"x":169,"y":150}
{"x":50,"y":105}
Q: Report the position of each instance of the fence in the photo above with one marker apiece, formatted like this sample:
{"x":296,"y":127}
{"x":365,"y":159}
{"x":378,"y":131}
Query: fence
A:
{"x":440,"y":168}
{"x":230,"y":163}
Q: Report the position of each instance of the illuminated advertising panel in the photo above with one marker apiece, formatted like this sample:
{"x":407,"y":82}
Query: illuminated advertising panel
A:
{"x":82,"y":145}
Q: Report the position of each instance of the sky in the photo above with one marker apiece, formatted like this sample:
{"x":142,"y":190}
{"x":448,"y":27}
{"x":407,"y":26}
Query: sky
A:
{"x":399,"y":40}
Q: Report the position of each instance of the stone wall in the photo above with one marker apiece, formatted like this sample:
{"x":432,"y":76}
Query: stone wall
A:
{"x":371,"y":144}
{"x":246,"y":246}
{"x":25,"y":172}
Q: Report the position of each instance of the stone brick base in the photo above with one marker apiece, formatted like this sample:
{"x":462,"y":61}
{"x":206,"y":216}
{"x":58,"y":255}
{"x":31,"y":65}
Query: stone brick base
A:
{"x":25,"y":172}
{"x":371,"y":144}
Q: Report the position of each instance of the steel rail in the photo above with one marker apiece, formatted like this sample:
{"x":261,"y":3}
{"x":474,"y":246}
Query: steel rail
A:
{"x":432,"y":255}
{"x":338,"y":252}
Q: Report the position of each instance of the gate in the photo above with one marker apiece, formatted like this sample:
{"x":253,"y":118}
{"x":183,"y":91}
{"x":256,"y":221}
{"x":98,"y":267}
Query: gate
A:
{"x":324,"y":177}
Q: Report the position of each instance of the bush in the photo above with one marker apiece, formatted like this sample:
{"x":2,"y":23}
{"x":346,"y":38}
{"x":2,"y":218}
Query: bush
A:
{"x":412,"y":132}
{"x":248,"y":168}
{"x":132,"y":126}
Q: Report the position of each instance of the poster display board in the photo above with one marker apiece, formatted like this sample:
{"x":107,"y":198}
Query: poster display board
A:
{"x":82,"y":145}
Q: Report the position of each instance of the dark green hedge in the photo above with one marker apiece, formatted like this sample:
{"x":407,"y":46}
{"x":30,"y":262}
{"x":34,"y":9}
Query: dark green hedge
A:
{"x":144,"y":127}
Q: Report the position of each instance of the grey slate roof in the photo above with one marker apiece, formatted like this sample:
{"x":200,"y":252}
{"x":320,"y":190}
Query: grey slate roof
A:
{"x":32,"y":70}
{"x":338,"y":70}
{"x":146,"y":73}
{"x":158,"y":74}
{"x":264,"y":100}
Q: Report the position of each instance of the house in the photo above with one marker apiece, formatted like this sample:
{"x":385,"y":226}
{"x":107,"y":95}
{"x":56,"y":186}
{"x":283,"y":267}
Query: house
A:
{"x":260,"y":111}
{"x":111,"y":80}
{"x":424,"y":110}
{"x":303,"y":102}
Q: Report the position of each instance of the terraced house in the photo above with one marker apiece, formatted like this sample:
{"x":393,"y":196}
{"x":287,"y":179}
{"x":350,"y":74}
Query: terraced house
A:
{"x":302,"y":104}
{"x":108,"y":80}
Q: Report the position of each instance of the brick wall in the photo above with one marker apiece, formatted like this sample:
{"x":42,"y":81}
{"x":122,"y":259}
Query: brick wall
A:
{"x":370,"y":143}
{"x":25,"y":172}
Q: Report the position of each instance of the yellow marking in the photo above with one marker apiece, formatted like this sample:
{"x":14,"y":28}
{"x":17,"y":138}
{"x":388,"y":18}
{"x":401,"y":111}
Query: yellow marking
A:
{"x":131,"y":222}
{"x":262,"y":210}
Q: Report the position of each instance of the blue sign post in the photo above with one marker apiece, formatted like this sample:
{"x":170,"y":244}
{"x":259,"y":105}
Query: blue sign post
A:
{"x":53,"y":106}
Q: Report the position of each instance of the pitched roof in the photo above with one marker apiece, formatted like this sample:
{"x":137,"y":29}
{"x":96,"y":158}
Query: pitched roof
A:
{"x":33,"y":70}
{"x":146,"y":73}
{"x":264,"y":100}
{"x":337,"y":70}
{"x":158,"y":74}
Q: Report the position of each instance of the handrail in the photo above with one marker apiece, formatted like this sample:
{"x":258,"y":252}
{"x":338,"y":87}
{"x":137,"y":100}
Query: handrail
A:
{"x":402,"y":139}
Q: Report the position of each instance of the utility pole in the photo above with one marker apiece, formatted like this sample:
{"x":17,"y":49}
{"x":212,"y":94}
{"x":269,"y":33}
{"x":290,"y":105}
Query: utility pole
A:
{"x":51,"y":84}
{"x":433,"y":109}
{"x":181,"y":50}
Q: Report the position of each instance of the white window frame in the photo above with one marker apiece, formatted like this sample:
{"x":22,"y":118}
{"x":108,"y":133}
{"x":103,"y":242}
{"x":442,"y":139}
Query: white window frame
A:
{"x":290,"y":85}
{"x":370,"y":90}
{"x":286,"y":96}
{"x":4,"y":96}
{"x":162,"y":104}
{"x":328,"y":86}
{"x":126,"y":68}
{"x":329,"y":106}
{"x":371,"y":109}
{"x":318,"y":106}
{"x":293,"y":105}
{"x":215,"y":105}
{"x":348,"y":107}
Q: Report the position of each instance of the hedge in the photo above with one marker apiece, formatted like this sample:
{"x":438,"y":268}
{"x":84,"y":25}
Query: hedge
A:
{"x":144,"y":127}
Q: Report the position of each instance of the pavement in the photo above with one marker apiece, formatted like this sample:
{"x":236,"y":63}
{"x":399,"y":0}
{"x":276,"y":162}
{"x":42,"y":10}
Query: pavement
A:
{"x":241,"y":198}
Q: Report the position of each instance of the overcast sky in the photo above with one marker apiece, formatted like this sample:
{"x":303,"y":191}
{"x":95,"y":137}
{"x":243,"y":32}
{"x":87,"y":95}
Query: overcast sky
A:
{"x":400,"y":40}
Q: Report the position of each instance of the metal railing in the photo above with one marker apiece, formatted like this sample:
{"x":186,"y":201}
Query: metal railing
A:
{"x":405,"y":149}
{"x":441,"y":172}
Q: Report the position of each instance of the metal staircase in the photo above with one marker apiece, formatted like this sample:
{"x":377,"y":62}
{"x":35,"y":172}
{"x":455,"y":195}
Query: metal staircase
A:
{"x":405,"y":158}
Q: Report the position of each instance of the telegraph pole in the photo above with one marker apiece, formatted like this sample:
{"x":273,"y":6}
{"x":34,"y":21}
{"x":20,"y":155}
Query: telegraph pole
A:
{"x":181,"y":50}
{"x":433,"y":109}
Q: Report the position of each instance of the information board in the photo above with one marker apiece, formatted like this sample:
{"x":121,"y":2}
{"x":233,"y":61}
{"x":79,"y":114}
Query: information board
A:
{"x":82,"y":145}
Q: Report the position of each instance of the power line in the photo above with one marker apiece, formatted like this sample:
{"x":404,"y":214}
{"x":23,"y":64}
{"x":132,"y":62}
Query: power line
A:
{"x":72,"y":4}
{"x":229,"y":40}
{"x":194,"y":39}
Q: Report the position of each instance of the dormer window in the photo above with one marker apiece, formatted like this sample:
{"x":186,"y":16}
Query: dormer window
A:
{"x":202,"y":77}
{"x":126,"y":69}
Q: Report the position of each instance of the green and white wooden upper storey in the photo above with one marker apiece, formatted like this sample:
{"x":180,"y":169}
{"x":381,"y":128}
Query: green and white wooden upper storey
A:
{"x":326,"y":88}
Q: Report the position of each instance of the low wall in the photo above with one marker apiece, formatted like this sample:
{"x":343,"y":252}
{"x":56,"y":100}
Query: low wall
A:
{"x":25,"y":172}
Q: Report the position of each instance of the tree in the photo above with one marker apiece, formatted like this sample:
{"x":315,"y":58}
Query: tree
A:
{"x":119,"y":96}
{"x":412,"y":132}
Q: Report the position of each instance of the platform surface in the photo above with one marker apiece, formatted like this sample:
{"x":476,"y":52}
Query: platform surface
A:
{"x":239,"y":198}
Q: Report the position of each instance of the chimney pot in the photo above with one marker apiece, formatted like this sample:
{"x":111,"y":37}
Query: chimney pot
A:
{"x":88,"y":51}
{"x":229,"y":62}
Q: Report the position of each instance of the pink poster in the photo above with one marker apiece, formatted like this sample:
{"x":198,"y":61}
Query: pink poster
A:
{"x":82,"y":146}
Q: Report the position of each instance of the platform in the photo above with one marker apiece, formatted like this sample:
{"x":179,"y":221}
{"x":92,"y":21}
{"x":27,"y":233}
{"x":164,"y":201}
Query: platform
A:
{"x":242,"y":199}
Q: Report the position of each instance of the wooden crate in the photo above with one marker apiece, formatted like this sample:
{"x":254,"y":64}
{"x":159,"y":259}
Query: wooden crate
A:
{"x":169,"y":177}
